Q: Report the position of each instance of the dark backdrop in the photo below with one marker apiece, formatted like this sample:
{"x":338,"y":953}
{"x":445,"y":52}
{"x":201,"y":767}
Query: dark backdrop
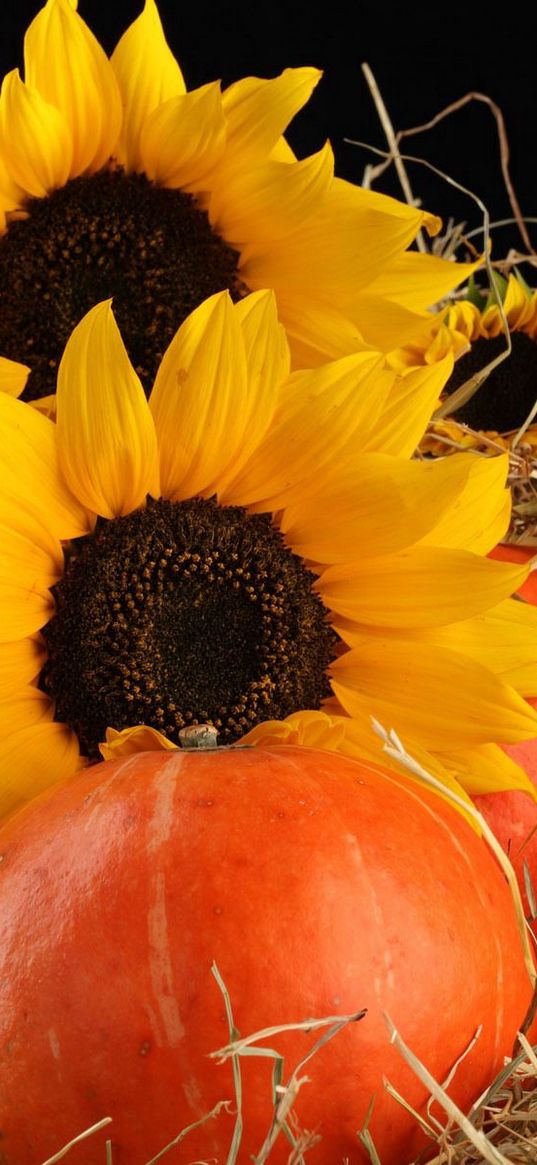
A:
{"x":424,"y":56}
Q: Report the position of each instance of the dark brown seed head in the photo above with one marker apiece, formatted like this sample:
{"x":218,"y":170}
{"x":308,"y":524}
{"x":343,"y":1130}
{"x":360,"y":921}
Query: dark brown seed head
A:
{"x":109,"y":235}
{"x":181,"y":613}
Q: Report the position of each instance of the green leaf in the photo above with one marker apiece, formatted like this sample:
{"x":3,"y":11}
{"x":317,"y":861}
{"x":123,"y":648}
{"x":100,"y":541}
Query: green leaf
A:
{"x":501,"y":287}
{"x":475,"y":294}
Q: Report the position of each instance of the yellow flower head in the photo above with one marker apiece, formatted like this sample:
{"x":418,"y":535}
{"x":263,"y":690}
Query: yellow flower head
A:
{"x":503,"y":402}
{"x":489,"y":402}
{"x":474,"y":330}
{"x":237,"y":550}
{"x":116,"y":181}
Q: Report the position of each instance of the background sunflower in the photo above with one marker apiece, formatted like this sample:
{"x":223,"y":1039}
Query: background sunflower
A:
{"x":219,"y":40}
{"x":114,"y":180}
{"x":489,"y":409}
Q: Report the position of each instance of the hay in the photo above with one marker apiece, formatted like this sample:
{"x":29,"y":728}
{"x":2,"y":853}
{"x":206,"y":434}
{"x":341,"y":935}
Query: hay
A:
{"x":500,"y":1128}
{"x":523,"y":483}
{"x":456,"y":437}
{"x":107,"y":1120}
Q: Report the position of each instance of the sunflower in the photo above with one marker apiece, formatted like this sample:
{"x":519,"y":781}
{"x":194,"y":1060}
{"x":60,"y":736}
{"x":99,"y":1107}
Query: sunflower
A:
{"x":475,"y":329}
{"x":117,"y":182}
{"x":497,"y":415}
{"x":229,"y":552}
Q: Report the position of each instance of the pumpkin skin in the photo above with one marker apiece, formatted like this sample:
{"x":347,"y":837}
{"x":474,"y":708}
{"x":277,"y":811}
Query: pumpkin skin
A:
{"x":319,"y":886}
{"x":512,"y":815}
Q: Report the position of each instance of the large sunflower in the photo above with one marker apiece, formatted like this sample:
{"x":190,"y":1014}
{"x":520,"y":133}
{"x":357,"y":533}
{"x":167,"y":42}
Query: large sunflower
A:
{"x":115,"y":181}
{"x":236,"y":551}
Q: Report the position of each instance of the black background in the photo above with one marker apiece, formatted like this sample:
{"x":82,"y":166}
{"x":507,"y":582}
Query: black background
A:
{"x":423,"y":56}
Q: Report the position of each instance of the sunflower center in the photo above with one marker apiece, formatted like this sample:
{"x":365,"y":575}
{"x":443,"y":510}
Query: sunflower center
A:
{"x":181,"y":613}
{"x":503,"y":402}
{"x":111,"y":234}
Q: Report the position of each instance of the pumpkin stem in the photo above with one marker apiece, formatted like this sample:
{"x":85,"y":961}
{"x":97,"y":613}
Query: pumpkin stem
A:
{"x":198,"y":736}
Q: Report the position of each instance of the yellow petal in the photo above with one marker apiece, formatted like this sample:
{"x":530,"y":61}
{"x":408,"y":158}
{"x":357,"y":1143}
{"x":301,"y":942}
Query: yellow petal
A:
{"x":503,"y":639}
{"x":334,"y":254}
{"x":141,"y":738}
{"x":182,"y":140}
{"x":46,"y":405}
{"x":517,"y":303}
{"x":492,"y":322}
{"x":267,"y":365}
{"x":106,"y":437}
{"x":308,"y":729}
{"x":35,"y":140}
{"x":25,"y":558}
{"x":34,"y":759}
{"x":148,"y":75}
{"x":440,"y":341}
{"x":352,"y":514}
{"x":26,"y":574}
{"x":531,"y":325}
{"x":268,"y":201}
{"x":282,"y":152}
{"x":430,"y":694}
{"x":466,"y":319}
{"x":332,"y":408}
{"x":265,"y":342}
{"x":13,"y":376}
{"x":25,"y":706}
{"x":19,"y":520}
{"x":359,"y":740}
{"x":20,"y":663}
{"x":316,"y":331}
{"x":258,"y":111}
{"x":30,"y":472}
{"x":480,"y":516}
{"x":418,"y":281}
{"x":199,"y":402}
{"x":487,"y":769}
{"x":388,"y":325}
{"x":11,"y":195}
{"x":518,"y":308}
{"x":349,"y":196}
{"x":412,"y":402}
{"x":23,"y":609}
{"x":339,"y":250}
{"x":80,"y":83}
{"x":418,"y":587}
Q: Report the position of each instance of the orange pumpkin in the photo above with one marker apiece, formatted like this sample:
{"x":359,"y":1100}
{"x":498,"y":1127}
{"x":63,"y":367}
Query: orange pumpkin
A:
{"x":512,"y":815}
{"x":319,"y":886}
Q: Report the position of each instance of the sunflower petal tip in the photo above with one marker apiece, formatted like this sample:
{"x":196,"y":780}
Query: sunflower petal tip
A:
{"x":309,"y":73}
{"x":220,"y":302}
{"x":310,"y":70}
{"x":13,"y":376}
{"x":432,"y":223}
{"x":265,"y":295}
{"x":81,"y":86}
{"x":129,"y":741}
